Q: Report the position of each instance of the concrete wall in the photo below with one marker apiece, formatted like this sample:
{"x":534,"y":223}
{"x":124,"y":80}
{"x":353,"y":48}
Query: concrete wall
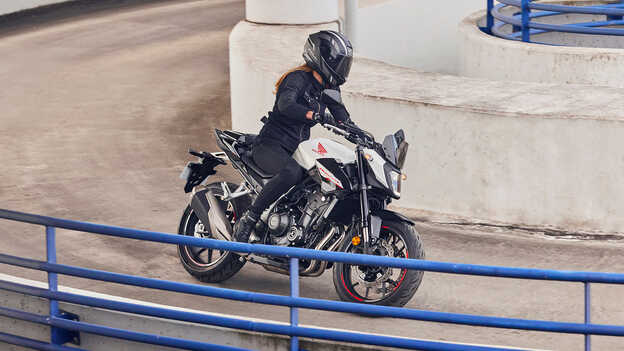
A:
{"x":483,"y":56}
{"x":9,"y":6}
{"x":291,"y":11}
{"x":498,"y":152}
{"x":412,"y":33}
{"x":191,"y":331}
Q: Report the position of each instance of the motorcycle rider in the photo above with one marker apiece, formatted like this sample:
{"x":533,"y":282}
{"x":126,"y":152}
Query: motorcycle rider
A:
{"x":328,"y":56}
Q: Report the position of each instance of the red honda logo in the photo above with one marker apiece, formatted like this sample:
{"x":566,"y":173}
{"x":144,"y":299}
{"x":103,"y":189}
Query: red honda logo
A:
{"x":320,"y":149}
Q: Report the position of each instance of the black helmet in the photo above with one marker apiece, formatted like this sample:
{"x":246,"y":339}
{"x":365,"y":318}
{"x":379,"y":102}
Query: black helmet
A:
{"x":330,"y":54}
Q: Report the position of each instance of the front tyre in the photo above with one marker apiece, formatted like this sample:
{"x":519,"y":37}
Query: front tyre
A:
{"x":208,"y":265}
{"x":382,"y":285}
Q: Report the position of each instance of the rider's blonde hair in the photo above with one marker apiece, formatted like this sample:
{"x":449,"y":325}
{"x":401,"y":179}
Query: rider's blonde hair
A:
{"x":303,"y":67}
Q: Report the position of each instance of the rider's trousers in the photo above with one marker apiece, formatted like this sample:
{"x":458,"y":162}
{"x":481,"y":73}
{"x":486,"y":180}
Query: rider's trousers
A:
{"x":275,"y":160}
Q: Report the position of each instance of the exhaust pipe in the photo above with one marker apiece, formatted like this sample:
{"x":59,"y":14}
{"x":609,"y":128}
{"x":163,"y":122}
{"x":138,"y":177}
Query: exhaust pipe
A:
{"x":209,"y":211}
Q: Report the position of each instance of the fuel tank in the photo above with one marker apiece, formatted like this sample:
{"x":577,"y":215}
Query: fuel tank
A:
{"x":310,"y":150}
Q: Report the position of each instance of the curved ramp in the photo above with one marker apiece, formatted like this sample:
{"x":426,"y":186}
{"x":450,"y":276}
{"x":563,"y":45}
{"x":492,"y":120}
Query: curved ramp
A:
{"x":95,"y":125}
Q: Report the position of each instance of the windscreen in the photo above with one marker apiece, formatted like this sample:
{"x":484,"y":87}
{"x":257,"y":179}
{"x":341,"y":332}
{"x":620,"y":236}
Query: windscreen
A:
{"x":390,"y":148}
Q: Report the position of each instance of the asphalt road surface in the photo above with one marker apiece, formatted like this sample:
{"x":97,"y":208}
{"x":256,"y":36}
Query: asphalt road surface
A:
{"x":97,"y":112}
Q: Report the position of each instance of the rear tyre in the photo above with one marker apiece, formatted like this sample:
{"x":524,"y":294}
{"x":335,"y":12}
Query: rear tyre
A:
{"x":382,"y":285}
{"x":207,"y":265}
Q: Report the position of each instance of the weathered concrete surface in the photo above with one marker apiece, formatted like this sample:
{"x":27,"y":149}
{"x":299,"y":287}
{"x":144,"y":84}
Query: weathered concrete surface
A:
{"x":484,"y":56}
{"x":144,"y":324}
{"x":95,"y":127}
{"x":496,"y":152}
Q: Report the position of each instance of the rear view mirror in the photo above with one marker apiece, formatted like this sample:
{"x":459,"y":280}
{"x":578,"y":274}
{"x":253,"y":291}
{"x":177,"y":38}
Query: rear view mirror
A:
{"x":331,"y":96}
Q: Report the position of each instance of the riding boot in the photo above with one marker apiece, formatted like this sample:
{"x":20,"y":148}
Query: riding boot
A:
{"x":245,"y":225}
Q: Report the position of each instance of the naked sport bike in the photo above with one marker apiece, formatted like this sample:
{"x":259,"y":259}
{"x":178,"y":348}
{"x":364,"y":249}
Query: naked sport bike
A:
{"x":341,"y":205}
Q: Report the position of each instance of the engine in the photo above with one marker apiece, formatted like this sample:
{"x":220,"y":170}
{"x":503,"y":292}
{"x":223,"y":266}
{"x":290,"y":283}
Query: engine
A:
{"x":280,"y":222}
{"x":291,"y":225}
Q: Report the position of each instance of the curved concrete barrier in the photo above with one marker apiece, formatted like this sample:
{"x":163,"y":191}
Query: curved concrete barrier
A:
{"x":151,"y":325}
{"x":15,"y":6}
{"x":145,"y":324}
{"x":485,"y":56}
{"x":521,"y":154}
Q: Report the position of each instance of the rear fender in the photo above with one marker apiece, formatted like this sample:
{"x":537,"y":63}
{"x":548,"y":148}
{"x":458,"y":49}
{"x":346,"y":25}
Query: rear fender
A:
{"x":200,"y":171}
{"x":209,"y":211}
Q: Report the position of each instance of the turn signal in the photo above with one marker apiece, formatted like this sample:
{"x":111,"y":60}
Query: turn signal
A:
{"x":404,"y":177}
{"x":356,"y":240}
{"x":368,"y":157}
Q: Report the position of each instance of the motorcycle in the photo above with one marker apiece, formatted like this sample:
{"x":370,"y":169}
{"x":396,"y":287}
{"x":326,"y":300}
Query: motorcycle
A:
{"x":341,"y":205}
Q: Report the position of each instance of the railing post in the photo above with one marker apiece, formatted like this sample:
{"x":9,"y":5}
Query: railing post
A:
{"x":489,"y":18}
{"x":526,"y":11}
{"x":57,"y":336}
{"x":587,"y":315}
{"x":52,"y":281}
{"x":294,"y":292}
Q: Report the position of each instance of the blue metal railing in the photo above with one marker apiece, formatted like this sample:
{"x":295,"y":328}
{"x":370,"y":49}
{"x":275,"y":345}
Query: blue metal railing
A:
{"x":526,"y":12}
{"x":63,"y":328}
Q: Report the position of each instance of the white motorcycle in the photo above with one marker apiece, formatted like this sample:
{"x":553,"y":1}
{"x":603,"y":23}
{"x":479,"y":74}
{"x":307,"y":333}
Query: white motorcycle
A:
{"x":341,"y":205}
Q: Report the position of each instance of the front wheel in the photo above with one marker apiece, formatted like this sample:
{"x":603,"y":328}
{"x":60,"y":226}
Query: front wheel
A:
{"x":382,"y":285}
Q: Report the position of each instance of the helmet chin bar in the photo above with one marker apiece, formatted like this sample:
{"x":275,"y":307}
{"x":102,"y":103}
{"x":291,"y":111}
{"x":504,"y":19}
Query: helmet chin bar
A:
{"x":330,"y":76}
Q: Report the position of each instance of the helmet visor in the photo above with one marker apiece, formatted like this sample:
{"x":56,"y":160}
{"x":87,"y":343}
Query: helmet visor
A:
{"x":342,"y":66}
{"x":338,"y":54}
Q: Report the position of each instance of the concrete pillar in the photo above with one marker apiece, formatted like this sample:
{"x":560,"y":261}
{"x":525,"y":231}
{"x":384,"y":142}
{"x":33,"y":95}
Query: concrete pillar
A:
{"x":291,"y":11}
{"x":351,"y":19}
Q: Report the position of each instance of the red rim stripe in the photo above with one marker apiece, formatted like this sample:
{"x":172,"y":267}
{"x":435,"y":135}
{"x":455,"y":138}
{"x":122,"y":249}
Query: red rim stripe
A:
{"x":349,"y":291}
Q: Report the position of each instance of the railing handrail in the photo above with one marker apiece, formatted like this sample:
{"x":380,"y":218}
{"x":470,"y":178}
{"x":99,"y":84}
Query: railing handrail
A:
{"x":301,"y":253}
{"x":523,"y":21}
{"x":308,"y":303}
{"x":294,"y":301}
{"x":231,"y":322}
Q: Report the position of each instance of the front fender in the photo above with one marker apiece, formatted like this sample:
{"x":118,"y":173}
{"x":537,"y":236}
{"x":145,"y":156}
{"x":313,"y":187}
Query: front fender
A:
{"x":387,"y":215}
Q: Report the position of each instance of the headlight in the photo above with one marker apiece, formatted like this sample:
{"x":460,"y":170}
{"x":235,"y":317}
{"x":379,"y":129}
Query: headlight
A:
{"x":395,"y":179}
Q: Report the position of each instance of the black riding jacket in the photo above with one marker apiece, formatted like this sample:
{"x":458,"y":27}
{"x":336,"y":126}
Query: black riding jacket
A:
{"x":287,"y":124}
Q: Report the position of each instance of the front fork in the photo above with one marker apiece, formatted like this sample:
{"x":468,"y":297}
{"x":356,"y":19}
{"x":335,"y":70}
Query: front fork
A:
{"x":364,"y":208}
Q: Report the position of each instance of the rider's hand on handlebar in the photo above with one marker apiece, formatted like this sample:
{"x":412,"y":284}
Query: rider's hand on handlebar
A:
{"x":325,"y":118}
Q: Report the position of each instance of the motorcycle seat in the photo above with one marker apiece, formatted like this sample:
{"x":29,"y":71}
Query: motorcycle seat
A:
{"x":249,"y":162}
{"x":244,"y":147}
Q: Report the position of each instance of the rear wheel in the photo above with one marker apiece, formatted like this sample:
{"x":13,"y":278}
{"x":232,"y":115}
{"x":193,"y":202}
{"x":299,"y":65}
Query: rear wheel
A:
{"x":382,"y":285}
{"x":208,"y":265}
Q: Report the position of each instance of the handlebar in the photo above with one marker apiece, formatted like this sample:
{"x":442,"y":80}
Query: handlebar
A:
{"x":353,"y":134}
{"x":336,"y":130}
